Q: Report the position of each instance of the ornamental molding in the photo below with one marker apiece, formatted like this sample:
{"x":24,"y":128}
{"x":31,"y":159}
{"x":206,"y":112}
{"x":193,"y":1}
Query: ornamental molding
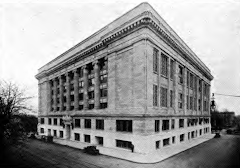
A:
{"x":146,"y":19}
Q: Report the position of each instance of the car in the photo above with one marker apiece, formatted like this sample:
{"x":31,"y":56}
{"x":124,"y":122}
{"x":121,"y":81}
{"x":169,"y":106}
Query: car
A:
{"x":91,"y":150}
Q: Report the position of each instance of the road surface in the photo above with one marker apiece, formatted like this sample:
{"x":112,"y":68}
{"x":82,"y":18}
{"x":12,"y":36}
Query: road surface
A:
{"x":215,"y":153}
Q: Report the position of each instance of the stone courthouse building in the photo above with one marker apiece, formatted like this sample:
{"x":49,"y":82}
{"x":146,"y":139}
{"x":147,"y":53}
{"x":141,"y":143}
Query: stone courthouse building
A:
{"x":132,"y":83}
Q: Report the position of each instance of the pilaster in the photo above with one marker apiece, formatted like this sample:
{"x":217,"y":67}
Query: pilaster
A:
{"x":68,"y":92}
{"x":76,"y":88}
{"x":61,"y":92}
{"x":97,"y":85}
{"x":85,"y":88}
{"x":55,"y":94}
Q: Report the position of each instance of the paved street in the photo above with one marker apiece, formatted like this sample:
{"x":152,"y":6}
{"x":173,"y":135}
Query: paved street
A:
{"x":222,"y":152}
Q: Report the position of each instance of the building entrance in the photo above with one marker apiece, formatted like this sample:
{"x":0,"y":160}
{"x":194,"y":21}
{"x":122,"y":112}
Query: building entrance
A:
{"x":68,"y":131}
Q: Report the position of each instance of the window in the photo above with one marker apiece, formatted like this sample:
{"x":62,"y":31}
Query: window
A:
{"x":165,"y":125}
{"x":200,"y":131}
{"x":171,"y":69}
{"x":103,"y":105}
{"x":124,"y":125}
{"x":188,"y":78}
{"x":61,"y":134}
{"x":103,"y":92}
{"x":187,"y":97}
{"x":77,"y":137}
{"x":191,"y":103}
{"x":155,"y":60}
{"x":189,"y":136}
{"x":157,"y":124}
{"x":155,"y":95}
{"x":180,"y":100}
{"x":49,"y":121}
{"x":205,"y":105}
{"x":157,"y":144}
{"x":100,"y":124}
{"x":42,"y":130}
{"x":55,"y":133}
{"x":81,"y":84}
{"x":87,"y":138}
{"x":87,"y":123}
{"x":199,"y":104}
{"x":166,"y":141}
{"x":181,"y":137}
{"x":173,"y":140}
{"x":91,"y":95}
{"x":91,"y":106}
{"x":164,"y":63}
{"x":123,"y":144}
{"x":191,"y":81}
{"x":181,"y":123}
{"x":180,"y":74}
{"x":61,"y":121}
{"x":77,"y":123}
{"x":171,"y":98}
{"x":173,"y":124}
{"x":103,"y":78}
{"x":192,"y":134}
{"x":42,"y":120}
{"x":200,"y":86}
{"x":99,"y":140}
{"x":55,"y":121}
{"x":91,"y":82}
{"x":163,"y":97}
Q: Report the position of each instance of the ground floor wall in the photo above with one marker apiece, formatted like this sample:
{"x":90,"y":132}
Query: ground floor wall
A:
{"x":145,"y":135}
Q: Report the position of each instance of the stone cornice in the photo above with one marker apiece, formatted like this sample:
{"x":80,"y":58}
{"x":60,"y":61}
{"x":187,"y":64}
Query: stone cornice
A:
{"x":146,"y":19}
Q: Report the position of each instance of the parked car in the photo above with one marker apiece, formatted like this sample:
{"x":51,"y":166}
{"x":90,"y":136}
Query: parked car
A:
{"x":91,"y":150}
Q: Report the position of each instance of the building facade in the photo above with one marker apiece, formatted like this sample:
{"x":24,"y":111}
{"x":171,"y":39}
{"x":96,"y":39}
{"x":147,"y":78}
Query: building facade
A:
{"x":132,"y":83}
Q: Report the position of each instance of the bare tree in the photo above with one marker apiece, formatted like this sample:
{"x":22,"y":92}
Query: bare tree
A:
{"x":12,"y":102}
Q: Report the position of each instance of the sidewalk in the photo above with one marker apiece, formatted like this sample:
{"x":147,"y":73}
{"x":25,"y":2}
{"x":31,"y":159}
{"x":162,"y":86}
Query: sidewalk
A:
{"x":160,"y":154}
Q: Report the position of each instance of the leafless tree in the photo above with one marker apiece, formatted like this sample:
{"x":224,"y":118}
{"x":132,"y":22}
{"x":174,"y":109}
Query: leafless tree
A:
{"x":12,"y":102}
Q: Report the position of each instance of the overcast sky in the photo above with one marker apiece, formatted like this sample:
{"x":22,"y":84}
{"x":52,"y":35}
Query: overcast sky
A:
{"x":34,"y":33}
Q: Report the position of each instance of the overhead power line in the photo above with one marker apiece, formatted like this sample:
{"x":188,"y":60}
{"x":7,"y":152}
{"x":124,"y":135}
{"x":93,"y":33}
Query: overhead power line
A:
{"x":226,"y":95}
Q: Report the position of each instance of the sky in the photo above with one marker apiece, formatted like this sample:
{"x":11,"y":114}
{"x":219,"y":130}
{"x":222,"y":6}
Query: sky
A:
{"x":32,"y":33}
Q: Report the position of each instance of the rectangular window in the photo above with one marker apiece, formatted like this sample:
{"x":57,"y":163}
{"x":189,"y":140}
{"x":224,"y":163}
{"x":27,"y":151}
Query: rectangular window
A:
{"x":100,"y":124}
{"x":164,"y":63}
{"x":199,"y":104}
{"x":123,"y":144}
{"x":187,"y":97}
{"x":180,"y":101}
{"x":155,"y":95}
{"x":103,"y":78}
{"x":80,"y":96}
{"x":77,"y":137}
{"x":191,"y":103}
{"x":180,"y":74}
{"x":99,"y":140}
{"x":163,"y":97}
{"x":61,"y":121}
{"x":87,"y":138}
{"x":173,"y":124}
{"x":103,"y":92}
{"x":173,"y":140}
{"x":49,"y":121}
{"x":191,"y":81}
{"x":42,"y":120}
{"x":157,"y":144}
{"x":181,"y":123}
{"x":55,"y":121}
{"x":124,"y":125}
{"x":87,"y":123}
{"x":181,"y":137}
{"x":157,"y":124}
{"x":166,"y":141}
{"x":55,"y":133}
{"x":91,"y":95}
{"x":42,"y":130}
{"x":171,"y":69}
{"x":155,"y":60}
{"x":77,"y":123}
{"x":188,"y":78}
{"x":165,"y":125}
{"x":171,"y":98}
{"x":61,"y":134}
